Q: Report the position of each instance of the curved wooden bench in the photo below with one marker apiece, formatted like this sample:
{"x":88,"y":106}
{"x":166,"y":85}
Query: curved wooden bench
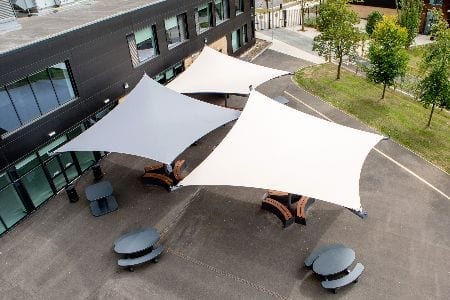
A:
{"x":177,"y":168}
{"x":158,"y":179}
{"x":353,"y":276}
{"x":278,"y":209}
{"x":302,"y":206}
{"x":131,"y":262}
{"x":158,"y":168}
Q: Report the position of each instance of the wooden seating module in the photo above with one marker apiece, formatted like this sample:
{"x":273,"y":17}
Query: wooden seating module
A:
{"x":158,"y":179}
{"x":278,"y":209}
{"x":302,"y":205}
{"x":352,"y":276}
{"x":177,"y":168}
{"x":158,"y":168}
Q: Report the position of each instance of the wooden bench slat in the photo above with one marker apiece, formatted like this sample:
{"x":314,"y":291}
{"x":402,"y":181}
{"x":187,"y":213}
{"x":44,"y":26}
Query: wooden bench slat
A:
{"x":278,"y":209}
{"x":158,"y":168}
{"x":158,"y":179}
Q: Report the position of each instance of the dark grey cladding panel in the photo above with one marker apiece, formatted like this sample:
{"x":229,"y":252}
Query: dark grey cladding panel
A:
{"x":95,"y":30}
{"x":16,"y":65}
{"x":93,"y":65}
{"x":104,"y":78}
{"x":25,"y":141}
{"x":99,"y":45}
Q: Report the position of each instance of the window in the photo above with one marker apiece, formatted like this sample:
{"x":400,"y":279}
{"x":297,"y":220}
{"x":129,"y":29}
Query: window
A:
{"x":11,"y":207}
{"x":170,"y":73}
{"x":222,"y":11}
{"x":24,"y":100}
{"x":176,"y":30}
{"x":203,"y":18}
{"x":436,"y":2}
{"x":236,"y":40}
{"x":143,"y":45}
{"x":244,"y":34}
{"x":239,"y":5}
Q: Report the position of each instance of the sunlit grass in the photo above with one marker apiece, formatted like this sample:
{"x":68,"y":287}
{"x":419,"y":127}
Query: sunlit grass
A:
{"x":398,"y":116}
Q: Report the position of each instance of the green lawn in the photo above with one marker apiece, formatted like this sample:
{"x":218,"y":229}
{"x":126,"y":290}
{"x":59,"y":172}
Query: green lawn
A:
{"x":398,"y":116}
{"x":415,"y":57}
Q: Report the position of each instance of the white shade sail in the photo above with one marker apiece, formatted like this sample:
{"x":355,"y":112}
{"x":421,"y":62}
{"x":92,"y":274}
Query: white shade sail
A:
{"x":215,"y":72}
{"x":273,"y":146}
{"x":153,"y":122}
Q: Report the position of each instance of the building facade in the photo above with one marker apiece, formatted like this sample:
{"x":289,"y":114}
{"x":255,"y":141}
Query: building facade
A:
{"x":53,"y":88}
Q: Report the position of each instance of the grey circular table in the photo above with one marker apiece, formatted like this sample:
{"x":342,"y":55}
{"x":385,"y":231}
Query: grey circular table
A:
{"x":334,"y":261}
{"x":136,"y":241}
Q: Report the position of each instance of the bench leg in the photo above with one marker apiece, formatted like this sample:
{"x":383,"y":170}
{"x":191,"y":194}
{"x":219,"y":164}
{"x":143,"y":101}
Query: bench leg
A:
{"x":131,"y":269}
{"x":334,"y":291}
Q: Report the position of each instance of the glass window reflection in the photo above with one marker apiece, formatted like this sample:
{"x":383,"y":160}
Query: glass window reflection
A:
{"x":43,"y":90}
{"x":37,"y":186}
{"x":11,"y":207}
{"x":8,"y":117}
{"x":62,"y":83}
{"x":23,"y":98}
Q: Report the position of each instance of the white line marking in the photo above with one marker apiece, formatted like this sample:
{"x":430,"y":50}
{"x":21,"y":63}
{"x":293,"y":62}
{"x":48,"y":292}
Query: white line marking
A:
{"x":377,"y":150}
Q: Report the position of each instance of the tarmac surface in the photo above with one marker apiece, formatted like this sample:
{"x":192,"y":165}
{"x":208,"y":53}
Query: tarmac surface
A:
{"x":221,"y":245}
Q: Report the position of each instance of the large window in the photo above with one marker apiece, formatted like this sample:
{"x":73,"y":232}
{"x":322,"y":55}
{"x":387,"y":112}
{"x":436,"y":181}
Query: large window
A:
{"x":11,"y":207}
{"x":239,"y":6}
{"x":143,"y":45}
{"x":37,"y":177}
{"x":26,"y":99}
{"x":236,"y":40}
{"x":203,"y":17}
{"x":244,"y":34}
{"x":436,"y":2}
{"x":170,"y":73}
{"x":176,"y":30}
{"x":222,"y":10}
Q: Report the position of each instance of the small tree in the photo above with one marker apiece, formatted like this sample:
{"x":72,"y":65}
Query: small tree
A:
{"x":434,"y":87}
{"x":338,"y":35}
{"x":409,"y":17}
{"x":387,"y":54}
{"x":372,"y":19}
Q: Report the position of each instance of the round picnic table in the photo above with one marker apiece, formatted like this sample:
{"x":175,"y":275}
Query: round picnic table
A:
{"x":136,"y":241}
{"x":334,"y":261}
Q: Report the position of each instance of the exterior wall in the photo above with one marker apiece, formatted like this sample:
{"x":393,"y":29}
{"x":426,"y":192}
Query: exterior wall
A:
{"x":100,"y":62}
{"x":100,"y":65}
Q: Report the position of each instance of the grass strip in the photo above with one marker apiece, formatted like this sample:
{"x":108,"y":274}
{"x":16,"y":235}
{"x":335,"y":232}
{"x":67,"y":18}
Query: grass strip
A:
{"x":398,"y":116}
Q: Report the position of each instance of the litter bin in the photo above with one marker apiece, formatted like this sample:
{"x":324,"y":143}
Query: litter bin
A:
{"x":97,"y":172}
{"x":72,"y":193}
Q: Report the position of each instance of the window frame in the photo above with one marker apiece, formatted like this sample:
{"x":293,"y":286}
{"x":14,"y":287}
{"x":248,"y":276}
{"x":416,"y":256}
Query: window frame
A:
{"x":133,"y":45}
{"x":183,"y":39}
{"x":225,"y":9}
{"x":209,"y":6}
{"x":25,"y":123}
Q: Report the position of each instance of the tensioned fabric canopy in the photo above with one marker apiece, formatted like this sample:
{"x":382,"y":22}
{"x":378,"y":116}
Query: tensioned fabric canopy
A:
{"x":215,"y":72}
{"x":273,"y":146}
{"x":153,"y":122}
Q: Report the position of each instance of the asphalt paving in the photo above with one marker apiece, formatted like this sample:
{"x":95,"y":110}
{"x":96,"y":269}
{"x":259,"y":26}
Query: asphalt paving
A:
{"x":221,"y":245}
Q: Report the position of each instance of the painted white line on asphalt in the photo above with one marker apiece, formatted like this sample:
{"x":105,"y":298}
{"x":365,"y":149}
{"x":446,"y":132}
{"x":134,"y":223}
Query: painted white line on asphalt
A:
{"x":377,"y":150}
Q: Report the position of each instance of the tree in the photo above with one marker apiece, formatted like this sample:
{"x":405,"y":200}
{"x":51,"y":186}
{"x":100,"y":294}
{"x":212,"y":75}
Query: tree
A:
{"x":372,"y":19}
{"x":338,"y":35}
{"x":387,"y":54}
{"x":409,"y":17}
{"x":434,"y":87}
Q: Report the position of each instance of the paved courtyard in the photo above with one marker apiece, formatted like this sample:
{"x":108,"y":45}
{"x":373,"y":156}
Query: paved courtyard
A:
{"x":221,"y":245}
